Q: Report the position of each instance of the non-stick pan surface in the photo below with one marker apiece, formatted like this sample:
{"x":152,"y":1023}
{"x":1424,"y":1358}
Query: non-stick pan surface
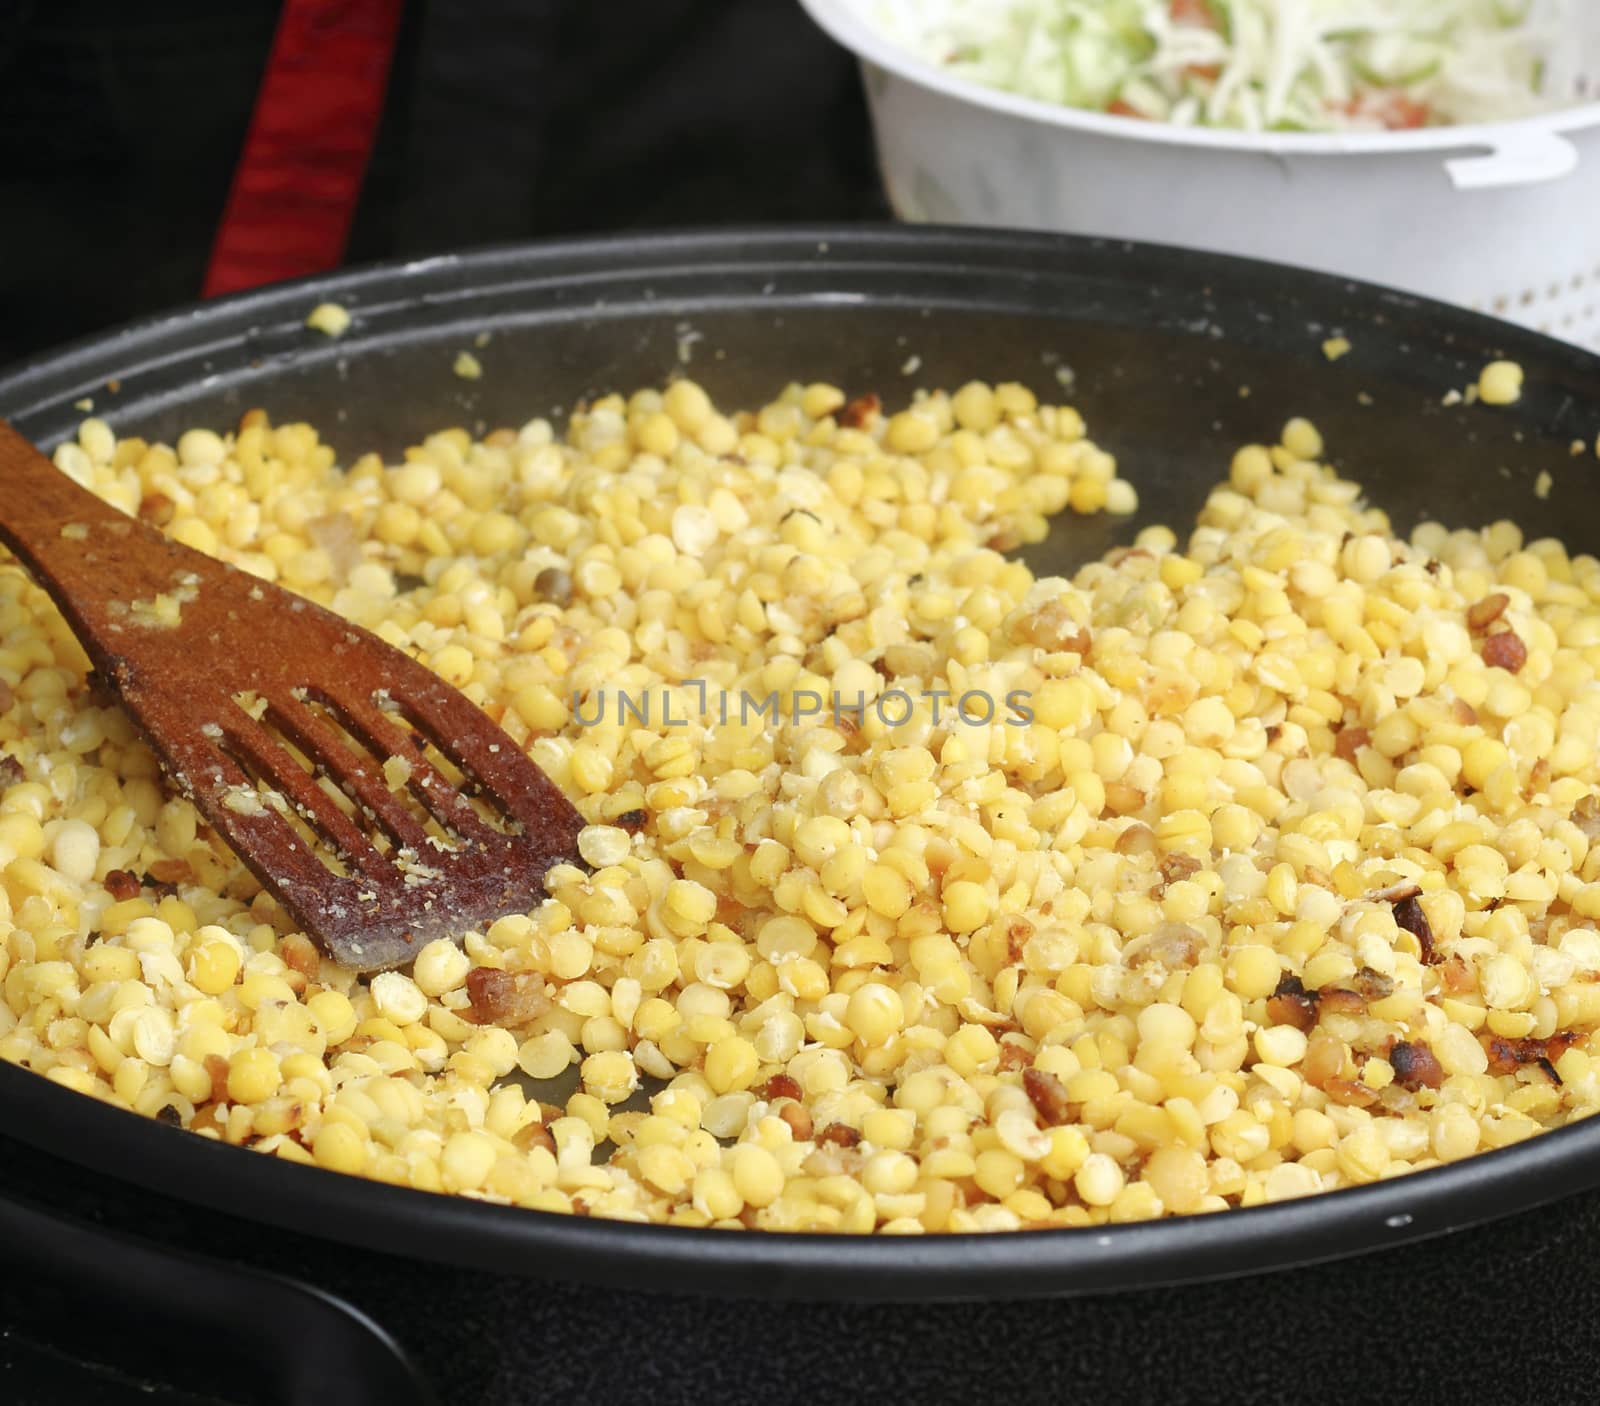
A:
{"x":1174,"y":357}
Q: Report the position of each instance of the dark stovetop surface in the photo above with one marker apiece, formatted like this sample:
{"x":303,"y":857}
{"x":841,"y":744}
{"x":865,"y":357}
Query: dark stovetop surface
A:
{"x":1510,"y":1313}
{"x":35,"y":1374}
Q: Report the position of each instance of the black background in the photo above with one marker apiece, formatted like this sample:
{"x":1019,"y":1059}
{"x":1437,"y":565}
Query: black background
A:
{"x":121,"y":122}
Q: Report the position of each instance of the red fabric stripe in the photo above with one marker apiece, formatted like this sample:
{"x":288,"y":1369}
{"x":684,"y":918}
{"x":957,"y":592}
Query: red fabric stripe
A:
{"x":316,"y":118}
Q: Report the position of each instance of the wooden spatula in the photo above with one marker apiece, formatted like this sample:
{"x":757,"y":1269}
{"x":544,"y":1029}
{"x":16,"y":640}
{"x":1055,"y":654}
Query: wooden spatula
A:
{"x":324,"y":757}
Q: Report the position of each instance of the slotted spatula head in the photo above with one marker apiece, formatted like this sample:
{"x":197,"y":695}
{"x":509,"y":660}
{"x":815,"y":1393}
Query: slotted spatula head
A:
{"x":378,"y":804}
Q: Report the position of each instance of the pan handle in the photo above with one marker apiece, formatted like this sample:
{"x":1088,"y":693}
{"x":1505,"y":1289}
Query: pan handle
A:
{"x":154,"y":1313}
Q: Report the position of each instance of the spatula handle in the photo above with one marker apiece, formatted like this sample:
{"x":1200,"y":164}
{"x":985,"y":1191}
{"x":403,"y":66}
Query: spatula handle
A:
{"x":97,"y":563}
{"x":37,"y":500}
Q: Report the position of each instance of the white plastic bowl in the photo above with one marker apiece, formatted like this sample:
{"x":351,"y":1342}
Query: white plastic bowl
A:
{"x":1502,"y":217}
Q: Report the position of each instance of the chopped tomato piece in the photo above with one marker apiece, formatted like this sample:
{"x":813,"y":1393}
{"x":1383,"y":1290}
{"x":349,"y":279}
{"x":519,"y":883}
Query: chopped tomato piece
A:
{"x":1193,"y":12}
{"x":1397,"y":111}
{"x":1403,"y":113}
{"x":1118,"y":108}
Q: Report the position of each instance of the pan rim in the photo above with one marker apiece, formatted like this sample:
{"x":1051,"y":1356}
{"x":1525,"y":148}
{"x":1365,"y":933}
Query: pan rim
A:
{"x":463,"y":1231}
{"x":67,"y":368}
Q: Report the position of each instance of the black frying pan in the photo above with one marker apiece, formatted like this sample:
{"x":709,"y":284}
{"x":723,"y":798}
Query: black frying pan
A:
{"x":1175,"y":358}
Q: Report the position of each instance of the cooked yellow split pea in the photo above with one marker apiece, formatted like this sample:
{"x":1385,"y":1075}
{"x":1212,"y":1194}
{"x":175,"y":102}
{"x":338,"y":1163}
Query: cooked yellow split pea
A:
{"x":1278,"y":878}
{"x":331,"y":319}
{"x":1500,"y":383}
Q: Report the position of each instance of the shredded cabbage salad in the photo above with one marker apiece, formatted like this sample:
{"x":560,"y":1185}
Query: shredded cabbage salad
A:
{"x":1260,"y":65}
